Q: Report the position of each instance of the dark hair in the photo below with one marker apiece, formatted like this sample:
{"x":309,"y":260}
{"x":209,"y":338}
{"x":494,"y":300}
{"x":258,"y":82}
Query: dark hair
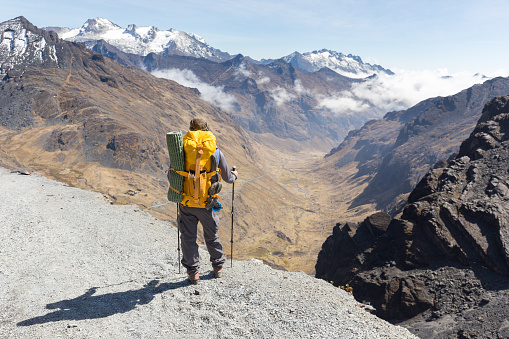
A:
{"x":198,"y":124}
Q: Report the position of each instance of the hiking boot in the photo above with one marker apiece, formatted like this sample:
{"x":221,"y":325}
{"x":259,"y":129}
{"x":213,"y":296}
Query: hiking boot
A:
{"x":194,"y":279}
{"x":218,"y":272}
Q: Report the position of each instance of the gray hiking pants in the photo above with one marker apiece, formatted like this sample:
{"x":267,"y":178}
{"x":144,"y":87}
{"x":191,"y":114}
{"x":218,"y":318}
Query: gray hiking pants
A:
{"x":188,"y":225}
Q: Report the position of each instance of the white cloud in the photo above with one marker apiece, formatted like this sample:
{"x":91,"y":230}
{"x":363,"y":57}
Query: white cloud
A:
{"x":343,"y":103}
{"x":399,"y":91}
{"x":382,"y":93}
{"x":263,"y":80}
{"x":243,"y":71}
{"x":407,"y":88}
{"x":299,"y":88}
{"x":281,"y":96}
{"x":209,"y":93}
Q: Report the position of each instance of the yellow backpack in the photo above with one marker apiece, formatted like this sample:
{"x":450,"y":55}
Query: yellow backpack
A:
{"x":201,"y":169}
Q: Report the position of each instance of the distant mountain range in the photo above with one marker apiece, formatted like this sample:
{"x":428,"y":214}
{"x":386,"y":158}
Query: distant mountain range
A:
{"x":347,"y":65}
{"x":141,"y":40}
{"x":274,"y":98}
{"x":149,"y":39}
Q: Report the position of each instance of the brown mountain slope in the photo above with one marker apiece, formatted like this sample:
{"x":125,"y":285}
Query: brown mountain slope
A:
{"x":268,"y":100}
{"x":378,"y":165}
{"x":86,"y":120}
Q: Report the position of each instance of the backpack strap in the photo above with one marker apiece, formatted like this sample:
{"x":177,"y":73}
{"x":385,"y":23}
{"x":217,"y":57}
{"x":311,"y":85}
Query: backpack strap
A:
{"x":211,"y":174}
{"x":182,"y":173}
{"x":189,"y":175}
{"x":197,"y":176}
{"x":177,"y":191}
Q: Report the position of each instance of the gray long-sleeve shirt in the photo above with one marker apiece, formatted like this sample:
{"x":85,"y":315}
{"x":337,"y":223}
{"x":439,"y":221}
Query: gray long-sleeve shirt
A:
{"x":226,"y":174}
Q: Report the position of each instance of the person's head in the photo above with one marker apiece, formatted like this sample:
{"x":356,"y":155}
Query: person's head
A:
{"x":198,"y":124}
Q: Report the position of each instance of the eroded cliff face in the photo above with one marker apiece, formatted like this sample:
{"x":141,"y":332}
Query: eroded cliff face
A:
{"x":389,"y":156}
{"x":448,"y":254}
{"x":463,"y":208}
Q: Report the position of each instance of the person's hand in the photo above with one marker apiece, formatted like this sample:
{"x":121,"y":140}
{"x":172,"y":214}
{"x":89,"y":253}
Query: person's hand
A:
{"x":236,"y":174}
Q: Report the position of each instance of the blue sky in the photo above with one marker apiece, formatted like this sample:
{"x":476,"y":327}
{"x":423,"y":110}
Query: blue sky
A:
{"x":398,"y":34}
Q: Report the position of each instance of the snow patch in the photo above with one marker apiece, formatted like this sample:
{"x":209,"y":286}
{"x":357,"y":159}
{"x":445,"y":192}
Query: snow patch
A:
{"x":39,"y":49}
{"x":70,"y":34}
{"x":53,"y":54}
{"x":20,"y":43}
{"x":7,"y":41}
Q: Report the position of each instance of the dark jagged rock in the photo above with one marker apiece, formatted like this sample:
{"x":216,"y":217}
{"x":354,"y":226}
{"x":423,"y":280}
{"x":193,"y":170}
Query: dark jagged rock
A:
{"x":349,"y":240}
{"x":464,"y":206}
{"x":377,"y":223}
{"x":446,"y":260}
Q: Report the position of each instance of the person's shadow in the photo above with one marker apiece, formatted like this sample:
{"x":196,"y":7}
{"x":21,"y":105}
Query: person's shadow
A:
{"x":90,"y":306}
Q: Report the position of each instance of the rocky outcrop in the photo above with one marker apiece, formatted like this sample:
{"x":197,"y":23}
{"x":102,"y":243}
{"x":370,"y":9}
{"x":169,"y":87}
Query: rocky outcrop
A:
{"x":448,"y":254}
{"x":22,"y":44}
{"x":349,"y":240}
{"x":464,"y":206}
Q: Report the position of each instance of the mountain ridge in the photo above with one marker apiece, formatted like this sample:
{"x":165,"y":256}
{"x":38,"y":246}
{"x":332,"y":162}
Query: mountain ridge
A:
{"x":391,"y":154}
{"x":149,"y":39}
{"x":347,"y":65}
{"x":275,"y":98}
{"x":142,"y":40}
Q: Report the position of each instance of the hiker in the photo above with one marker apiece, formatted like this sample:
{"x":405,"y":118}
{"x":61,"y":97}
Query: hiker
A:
{"x":193,"y":211}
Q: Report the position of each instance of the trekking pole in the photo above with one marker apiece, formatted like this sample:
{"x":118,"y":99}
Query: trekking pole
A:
{"x":178,"y":234}
{"x":233,"y":203}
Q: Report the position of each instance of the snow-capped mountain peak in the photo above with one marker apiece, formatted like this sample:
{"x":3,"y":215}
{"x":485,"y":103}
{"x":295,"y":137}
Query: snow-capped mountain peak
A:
{"x":21,"y":43}
{"x":141,"y":32}
{"x":98,"y":25}
{"x":349,"y":65}
{"x":149,"y":39}
{"x":143,"y":40}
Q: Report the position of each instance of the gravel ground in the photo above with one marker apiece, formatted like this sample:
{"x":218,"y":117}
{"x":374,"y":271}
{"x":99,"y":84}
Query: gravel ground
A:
{"x":74,"y":266}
